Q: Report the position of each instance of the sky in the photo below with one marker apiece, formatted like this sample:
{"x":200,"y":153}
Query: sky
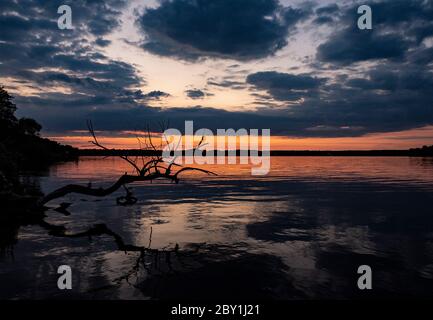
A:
{"x":300,"y":68}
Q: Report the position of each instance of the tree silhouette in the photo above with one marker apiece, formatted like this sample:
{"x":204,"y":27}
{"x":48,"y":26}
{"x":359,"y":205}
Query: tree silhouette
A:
{"x":21,"y":147}
{"x":7,"y":112}
{"x":29,"y":126}
{"x":9,"y":124}
{"x":7,"y":107}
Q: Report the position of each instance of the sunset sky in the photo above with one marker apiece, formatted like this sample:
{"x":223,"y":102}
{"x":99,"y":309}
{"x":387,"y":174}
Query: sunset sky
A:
{"x":301,"y":68}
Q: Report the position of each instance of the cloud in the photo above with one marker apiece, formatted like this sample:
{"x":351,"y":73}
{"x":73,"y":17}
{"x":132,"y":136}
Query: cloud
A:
{"x":131,"y":117}
{"x":330,"y":9}
{"x":327,"y":14}
{"x":102,"y":42}
{"x":355,"y":45}
{"x":384,"y":80}
{"x":398,"y":27}
{"x":392,"y":91}
{"x":284,"y":86}
{"x":241,"y":30}
{"x":155,"y":95}
{"x":226,"y":82}
{"x":32,"y":46}
{"x":387,"y":104}
{"x":197,"y":94}
{"x":277,"y":80}
{"x":89,"y":17}
{"x":422,"y":56}
{"x":30,"y":31}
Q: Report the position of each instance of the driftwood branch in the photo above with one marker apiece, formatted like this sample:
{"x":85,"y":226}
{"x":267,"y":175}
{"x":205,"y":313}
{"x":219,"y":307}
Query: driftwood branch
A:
{"x":123,"y":180}
{"x":154,"y":168}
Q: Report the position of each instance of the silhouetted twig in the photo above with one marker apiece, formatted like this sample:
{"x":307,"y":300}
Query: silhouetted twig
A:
{"x":151,"y":170}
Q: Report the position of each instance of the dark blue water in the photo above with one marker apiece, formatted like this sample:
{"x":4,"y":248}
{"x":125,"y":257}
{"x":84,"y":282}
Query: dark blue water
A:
{"x":299,"y":233}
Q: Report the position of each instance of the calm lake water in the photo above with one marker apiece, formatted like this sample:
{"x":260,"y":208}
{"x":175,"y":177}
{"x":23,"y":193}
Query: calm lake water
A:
{"x":300,"y":232}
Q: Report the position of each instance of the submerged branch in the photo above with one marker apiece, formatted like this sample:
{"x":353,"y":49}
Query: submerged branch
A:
{"x":123,"y":180}
{"x":151,"y":170}
{"x":97,"y":192}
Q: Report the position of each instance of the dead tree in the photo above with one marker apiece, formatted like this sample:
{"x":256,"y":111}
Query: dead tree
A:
{"x":149,"y":169}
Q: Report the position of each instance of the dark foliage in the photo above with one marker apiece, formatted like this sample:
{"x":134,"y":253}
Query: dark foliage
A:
{"x":21,"y":148}
{"x":425,"y":151}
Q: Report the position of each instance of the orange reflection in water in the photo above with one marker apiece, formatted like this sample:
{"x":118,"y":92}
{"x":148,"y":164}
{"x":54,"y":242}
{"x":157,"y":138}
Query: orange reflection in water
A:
{"x":387,"y":169}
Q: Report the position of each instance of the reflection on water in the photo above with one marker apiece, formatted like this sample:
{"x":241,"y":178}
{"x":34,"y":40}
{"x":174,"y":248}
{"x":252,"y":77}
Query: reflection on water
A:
{"x":300,"y":232}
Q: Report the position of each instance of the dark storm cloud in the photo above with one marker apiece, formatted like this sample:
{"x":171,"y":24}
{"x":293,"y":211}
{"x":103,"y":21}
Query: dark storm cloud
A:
{"x":31,"y":39}
{"x":422,"y":56}
{"x":14,"y":26}
{"x":390,"y":96}
{"x":82,"y":73}
{"x":343,"y":111}
{"x":284,"y":86}
{"x":277,"y":80}
{"x":385,"y":101}
{"x":125,"y":117}
{"x":31,"y":44}
{"x":381,"y":101}
{"x":391,"y":93}
{"x":393,"y":13}
{"x":242,"y":29}
{"x":96,"y":17}
{"x":383,"y":78}
{"x":355,"y":45}
{"x":398,"y":26}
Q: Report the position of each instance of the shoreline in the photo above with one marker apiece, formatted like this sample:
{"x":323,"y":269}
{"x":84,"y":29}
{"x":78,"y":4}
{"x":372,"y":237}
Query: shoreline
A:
{"x":275,"y":153}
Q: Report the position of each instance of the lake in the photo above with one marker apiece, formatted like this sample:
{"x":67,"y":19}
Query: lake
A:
{"x":300,"y":232}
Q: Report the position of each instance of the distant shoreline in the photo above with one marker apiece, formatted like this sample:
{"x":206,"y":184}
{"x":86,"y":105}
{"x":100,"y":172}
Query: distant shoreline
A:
{"x":425,"y":152}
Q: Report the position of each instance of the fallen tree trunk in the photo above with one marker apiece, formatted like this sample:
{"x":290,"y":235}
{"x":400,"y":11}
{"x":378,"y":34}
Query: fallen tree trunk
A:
{"x":98,"y":192}
{"x":123,"y":180}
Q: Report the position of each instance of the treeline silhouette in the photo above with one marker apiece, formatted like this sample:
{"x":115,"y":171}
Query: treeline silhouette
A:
{"x":425,"y":151}
{"x":22,"y":148}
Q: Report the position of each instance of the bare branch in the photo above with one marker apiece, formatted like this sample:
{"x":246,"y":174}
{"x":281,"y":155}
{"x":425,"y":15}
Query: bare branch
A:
{"x":96,"y":143}
{"x":123,"y":180}
{"x":151,"y":170}
{"x":192,"y":169}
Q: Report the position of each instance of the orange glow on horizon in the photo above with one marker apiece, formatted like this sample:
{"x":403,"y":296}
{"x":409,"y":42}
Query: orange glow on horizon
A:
{"x":379,"y":141}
